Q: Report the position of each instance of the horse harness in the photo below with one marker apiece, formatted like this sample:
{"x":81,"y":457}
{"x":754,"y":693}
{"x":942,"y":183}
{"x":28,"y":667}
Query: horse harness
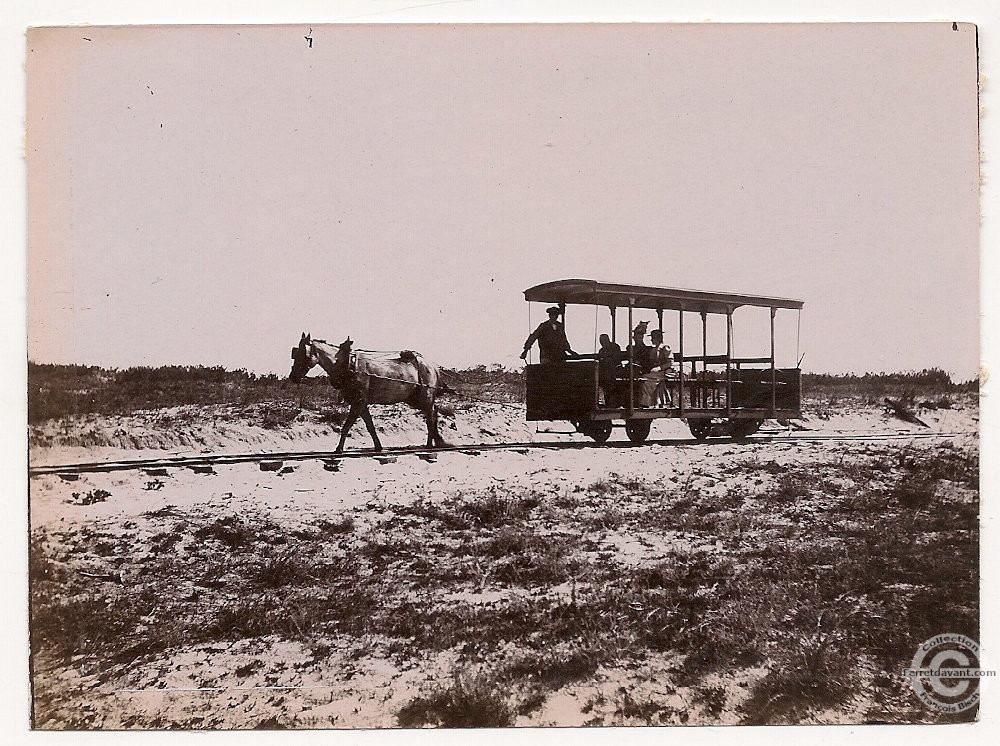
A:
{"x":405,"y":356}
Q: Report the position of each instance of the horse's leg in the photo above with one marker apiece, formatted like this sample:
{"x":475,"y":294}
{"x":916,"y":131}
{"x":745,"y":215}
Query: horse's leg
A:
{"x":430,"y":412}
{"x":427,"y":410}
{"x":367,"y":417}
{"x":438,"y":439}
{"x":429,"y":417}
{"x":419,"y":402}
{"x":352,"y":417}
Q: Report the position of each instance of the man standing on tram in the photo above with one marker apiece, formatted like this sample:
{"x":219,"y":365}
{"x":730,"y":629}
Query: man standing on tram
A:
{"x":553,"y":347}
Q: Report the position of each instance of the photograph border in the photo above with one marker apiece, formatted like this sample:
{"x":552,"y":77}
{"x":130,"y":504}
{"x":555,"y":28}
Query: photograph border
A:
{"x":13,"y":652}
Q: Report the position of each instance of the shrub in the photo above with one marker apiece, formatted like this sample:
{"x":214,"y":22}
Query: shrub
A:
{"x":280,"y":570}
{"x":343,"y":525}
{"x":497,"y":510}
{"x":230,"y":531}
{"x":90,"y":497}
{"x":815,"y":671}
{"x":473,"y":700}
{"x":554,"y":668}
{"x":275,"y":417}
{"x":915,"y":493}
{"x":492,"y":383}
{"x":790,"y":488}
{"x":66,"y":390}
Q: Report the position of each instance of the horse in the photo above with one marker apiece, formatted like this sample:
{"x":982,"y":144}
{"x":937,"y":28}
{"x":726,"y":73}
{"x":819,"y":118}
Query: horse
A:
{"x":365,"y":378}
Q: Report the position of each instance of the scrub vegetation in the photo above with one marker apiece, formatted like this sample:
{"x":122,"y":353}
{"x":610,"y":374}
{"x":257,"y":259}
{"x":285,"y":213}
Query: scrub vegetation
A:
{"x":724,"y":583}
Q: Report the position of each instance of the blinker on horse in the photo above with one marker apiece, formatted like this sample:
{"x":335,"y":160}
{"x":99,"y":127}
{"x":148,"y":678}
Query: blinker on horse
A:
{"x":364,"y":379}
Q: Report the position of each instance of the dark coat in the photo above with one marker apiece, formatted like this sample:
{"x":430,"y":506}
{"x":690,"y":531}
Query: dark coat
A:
{"x":609,"y":362}
{"x":642,"y":354}
{"x":552,"y":342}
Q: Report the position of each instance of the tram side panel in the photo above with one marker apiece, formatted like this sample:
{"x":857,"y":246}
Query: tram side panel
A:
{"x":561,"y":391}
{"x":752,"y":389}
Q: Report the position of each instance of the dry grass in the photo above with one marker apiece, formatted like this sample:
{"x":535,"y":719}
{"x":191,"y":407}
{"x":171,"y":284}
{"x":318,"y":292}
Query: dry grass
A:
{"x":822,"y":576}
{"x":471,"y":701}
{"x":893,"y":559}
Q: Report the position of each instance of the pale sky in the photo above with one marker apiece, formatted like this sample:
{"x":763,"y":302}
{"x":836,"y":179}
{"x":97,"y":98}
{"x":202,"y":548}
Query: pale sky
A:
{"x":202,"y":195}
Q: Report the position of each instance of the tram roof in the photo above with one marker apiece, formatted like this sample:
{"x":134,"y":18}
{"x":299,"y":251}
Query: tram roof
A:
{"x":594,"y":293}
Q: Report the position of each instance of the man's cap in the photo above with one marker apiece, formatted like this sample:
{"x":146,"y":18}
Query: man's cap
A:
{"x":553,"y":309}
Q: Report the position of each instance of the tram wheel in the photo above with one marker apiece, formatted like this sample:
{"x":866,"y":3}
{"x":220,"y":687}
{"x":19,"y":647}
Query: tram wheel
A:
{"x":638,"y":430}
{"x":600,"y":431}
{"x":740,"y":429}
{"x":700,"y":428}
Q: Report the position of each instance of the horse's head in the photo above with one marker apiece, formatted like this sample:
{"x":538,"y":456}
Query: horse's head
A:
{"x":304,"y":357}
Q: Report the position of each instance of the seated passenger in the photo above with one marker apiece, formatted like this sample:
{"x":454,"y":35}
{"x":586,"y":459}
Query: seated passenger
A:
{"x":638,"y":352}
{"x":609,"y":366}
{"x":655,"y":389}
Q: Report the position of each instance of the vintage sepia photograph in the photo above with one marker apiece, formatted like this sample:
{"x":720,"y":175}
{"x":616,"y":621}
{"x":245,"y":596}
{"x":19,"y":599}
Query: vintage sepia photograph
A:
{"x":503,"y":375}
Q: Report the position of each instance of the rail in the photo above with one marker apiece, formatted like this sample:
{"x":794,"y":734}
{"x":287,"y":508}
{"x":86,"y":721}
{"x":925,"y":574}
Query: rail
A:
{"x":763,"y":436}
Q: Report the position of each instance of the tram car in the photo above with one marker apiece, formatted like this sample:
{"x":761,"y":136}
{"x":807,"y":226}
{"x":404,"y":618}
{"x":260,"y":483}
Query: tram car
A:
{"x":715,"y":394}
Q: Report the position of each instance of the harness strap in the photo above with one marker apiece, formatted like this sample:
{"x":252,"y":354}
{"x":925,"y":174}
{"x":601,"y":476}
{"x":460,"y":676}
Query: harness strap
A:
{"x":400,"y":380}
{"x":353,"y":367}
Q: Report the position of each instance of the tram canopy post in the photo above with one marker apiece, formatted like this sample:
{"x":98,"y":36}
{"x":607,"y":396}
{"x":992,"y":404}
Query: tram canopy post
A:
{"x":614,"y":326}
{"x":680,"y":343}
{"x":774,"y":376}
{"x":631,"y":360}
{"x":704,"y":359}
{"x":729,"y":362}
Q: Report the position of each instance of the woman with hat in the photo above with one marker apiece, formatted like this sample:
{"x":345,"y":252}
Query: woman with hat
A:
{"x":639,"y":351}
{"x":551,"y":337}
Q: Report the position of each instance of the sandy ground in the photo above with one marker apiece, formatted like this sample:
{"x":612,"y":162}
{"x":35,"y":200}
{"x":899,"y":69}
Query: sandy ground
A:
{"x":269,"y":681}
{"x":306,"y":486}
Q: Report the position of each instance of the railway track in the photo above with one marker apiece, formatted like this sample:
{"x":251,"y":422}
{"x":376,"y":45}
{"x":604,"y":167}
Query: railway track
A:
{"x":390,"y":454}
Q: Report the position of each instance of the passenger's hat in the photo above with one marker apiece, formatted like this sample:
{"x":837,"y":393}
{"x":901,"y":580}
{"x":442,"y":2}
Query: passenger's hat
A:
{"x":553,"y":309}
{"x":641,"y":327}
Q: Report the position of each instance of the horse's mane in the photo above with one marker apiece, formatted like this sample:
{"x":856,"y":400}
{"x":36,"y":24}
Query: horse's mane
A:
{"x":326,"y":343}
